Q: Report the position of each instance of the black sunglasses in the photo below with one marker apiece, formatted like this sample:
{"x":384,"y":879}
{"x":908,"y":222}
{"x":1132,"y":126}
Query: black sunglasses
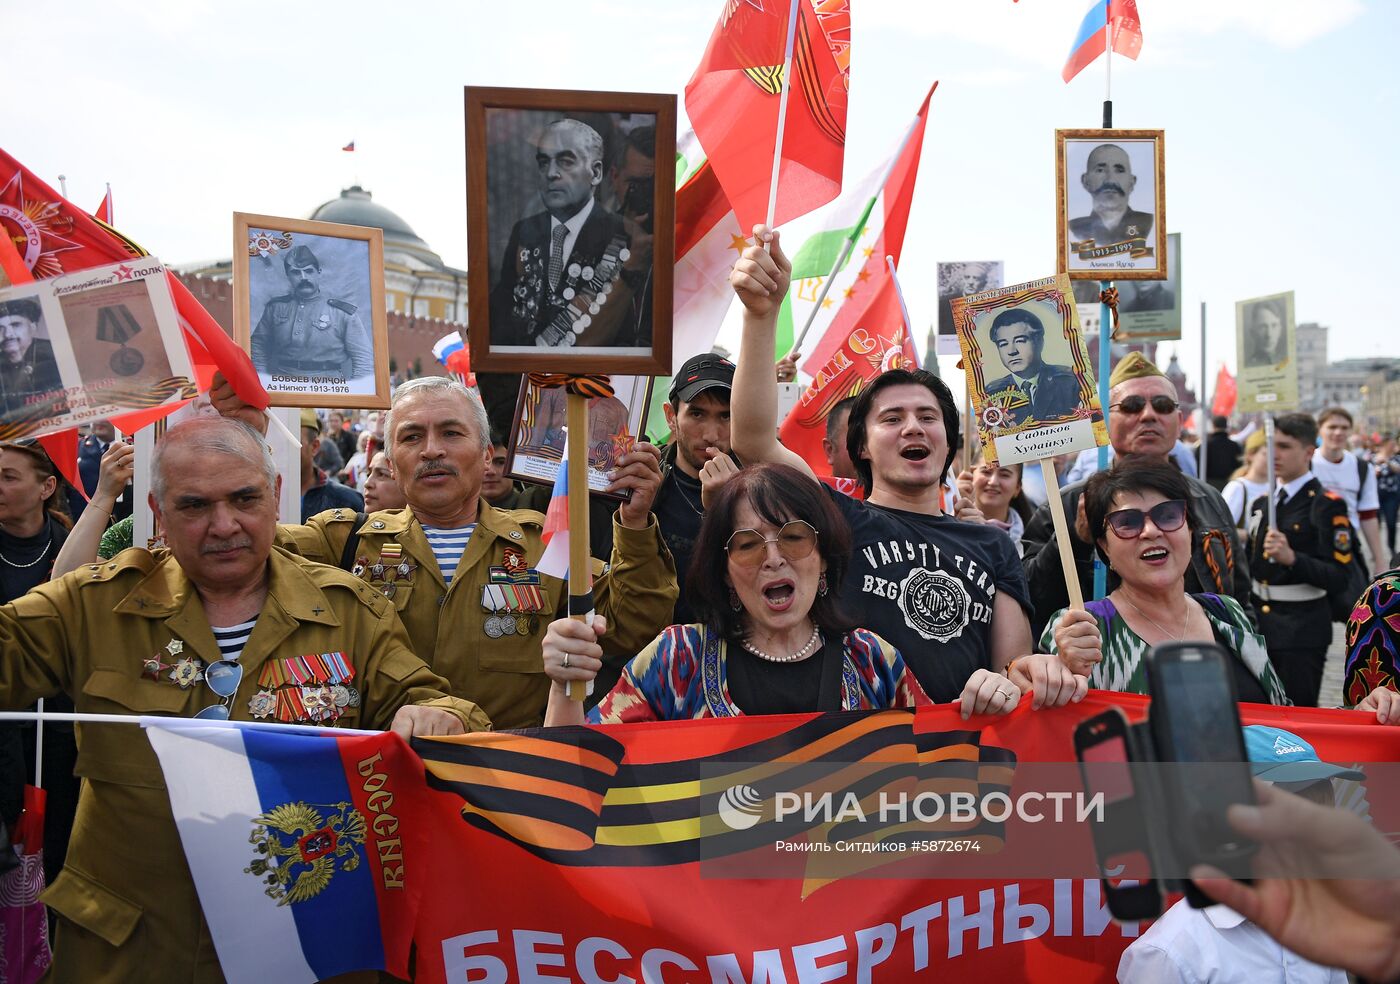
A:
{"x":1134,"y":405}
{"x":1167,"y":516}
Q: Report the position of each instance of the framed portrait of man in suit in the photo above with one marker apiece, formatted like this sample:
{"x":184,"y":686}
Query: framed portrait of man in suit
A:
{"x":308,"y":308}
{"x":1265,"y":354}
{"x":1028,"y":371}
{"x":570,"y":231}
{"x":1111,"y":207}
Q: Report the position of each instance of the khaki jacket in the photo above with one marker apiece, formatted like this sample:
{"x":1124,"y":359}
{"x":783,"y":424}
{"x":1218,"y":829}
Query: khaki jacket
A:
{"x":503,"y":674}
{"x":127,"y":904}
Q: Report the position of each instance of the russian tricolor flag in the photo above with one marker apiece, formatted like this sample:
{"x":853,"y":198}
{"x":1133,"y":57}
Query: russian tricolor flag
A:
{"x":1089,"y":42}
{"x":555,"y":560}
{"x":452,"y":352}
{"x":298,"y":873}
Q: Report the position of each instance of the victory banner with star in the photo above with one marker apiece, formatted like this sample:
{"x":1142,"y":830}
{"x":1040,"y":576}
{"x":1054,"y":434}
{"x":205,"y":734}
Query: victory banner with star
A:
{"x":678,"y":851}
{"x":89,"y":345}
{"x":1028,"y":372}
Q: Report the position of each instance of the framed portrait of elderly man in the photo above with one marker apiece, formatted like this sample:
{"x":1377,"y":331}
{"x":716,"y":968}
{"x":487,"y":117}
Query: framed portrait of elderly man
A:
{"x":961,"y":279}
{"x":1266,"y":356}
{"x":308,"y":307}
{"x":615,"y":423}
{"x":1110,"y":187}
{"x":571,"y":229}
{"x":1028,"y":371}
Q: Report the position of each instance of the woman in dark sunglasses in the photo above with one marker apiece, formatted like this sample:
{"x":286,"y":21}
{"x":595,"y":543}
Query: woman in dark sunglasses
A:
{"x":1140,"y":517}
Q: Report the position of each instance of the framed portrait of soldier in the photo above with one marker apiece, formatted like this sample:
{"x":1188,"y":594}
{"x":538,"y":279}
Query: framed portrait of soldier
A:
{"x":1150,"y":310}
{"x":308,"y":308}
{"x":571,"y":230}
{"x":1029,"y":377}
{"x":615,"y":423}
{"x":961,"y":278}
{"x":1265,"y":354}
{"x":1110,"y":188}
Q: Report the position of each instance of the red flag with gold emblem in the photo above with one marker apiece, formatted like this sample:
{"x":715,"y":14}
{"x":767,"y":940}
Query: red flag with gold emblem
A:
{"x":732,"y":101}
{"x":52,"y":237}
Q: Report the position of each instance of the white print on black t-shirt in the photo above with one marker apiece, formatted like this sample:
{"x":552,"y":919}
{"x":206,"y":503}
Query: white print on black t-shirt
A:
{"x":935,"y":604}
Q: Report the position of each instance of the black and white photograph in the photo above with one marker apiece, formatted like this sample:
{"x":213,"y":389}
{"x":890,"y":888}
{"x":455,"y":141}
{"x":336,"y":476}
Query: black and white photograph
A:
{"x":572,"y":265}
{"x":1268,"y":370}
{"x":1111,"y":204}
{"x":961,"y":279}
{"x":312,"y":314}
{"x":28,"y":371}
{"x":1150,"y":310}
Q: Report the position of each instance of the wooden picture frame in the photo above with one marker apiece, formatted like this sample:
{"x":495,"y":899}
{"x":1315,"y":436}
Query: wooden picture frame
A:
{"x":536,"y":446}
{"x":327,"y":349}
{"x":1088,"y":249}
{"x":600,"y":306}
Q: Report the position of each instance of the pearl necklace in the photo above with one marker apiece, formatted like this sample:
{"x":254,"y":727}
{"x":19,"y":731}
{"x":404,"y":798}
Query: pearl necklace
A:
{"x":802,"y":653}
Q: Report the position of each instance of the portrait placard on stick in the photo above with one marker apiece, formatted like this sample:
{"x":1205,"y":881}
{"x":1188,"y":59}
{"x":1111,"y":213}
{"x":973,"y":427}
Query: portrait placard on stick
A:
{"x":1028,"y":373}
{"x":541,"y":414}
{"x":962,"y":279}
{"x":571,"y":199}
{"x":308,"y":307}
{"x":1150,"y":310}
{"x":1268,"y":366}
{"x":89,"y":345}
{"x":1111,"y":204}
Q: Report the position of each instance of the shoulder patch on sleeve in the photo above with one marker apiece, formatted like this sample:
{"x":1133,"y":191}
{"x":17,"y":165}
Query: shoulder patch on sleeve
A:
{"x":340,"y":305}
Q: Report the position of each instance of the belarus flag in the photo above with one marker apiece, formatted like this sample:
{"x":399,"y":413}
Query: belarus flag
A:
{"x":298,"y":875}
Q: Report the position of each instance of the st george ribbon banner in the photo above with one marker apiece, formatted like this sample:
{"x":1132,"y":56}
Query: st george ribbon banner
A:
{"x":869,"y":846}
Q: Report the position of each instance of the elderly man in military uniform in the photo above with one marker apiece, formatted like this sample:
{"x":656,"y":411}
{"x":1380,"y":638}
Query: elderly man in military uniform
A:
{"x":570,"y":272}
{"x":1108,"y":178}
{"x":222,"y":625}
{"x":1296,"y":565}
{"x":1040,"y":392}
{"x":462,"y":573}
{"x":306,"y":334}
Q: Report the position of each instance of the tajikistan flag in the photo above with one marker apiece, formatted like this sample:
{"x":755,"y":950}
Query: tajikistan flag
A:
{"x":858,"y":329}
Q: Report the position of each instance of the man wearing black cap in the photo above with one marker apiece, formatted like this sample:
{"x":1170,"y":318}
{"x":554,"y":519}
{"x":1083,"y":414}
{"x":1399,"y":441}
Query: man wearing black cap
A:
{"x":698,"y":416}
{"x":307,"y":336}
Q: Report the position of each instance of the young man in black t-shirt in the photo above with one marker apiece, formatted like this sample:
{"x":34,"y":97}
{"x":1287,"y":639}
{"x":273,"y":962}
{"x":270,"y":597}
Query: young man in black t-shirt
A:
{"x":949,"y":595}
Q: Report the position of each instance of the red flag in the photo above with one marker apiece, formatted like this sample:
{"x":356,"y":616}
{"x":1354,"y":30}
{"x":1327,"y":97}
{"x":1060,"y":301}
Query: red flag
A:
{"x":732,"y":101}
{"x":104,"y":211}
{"x":1225,"y":394}
{"x":867,"y":336}
{"x":53,"y":237}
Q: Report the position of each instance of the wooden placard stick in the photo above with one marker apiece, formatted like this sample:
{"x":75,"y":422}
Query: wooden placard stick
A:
{"x":1057,"y":512}
{"x":580,"y":564}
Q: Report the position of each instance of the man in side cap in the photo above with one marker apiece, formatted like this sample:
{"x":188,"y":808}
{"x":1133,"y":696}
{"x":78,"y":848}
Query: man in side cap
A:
{"x":308,"y":337}
{"x":1217,"y":944}
{"x":1144,"y":419}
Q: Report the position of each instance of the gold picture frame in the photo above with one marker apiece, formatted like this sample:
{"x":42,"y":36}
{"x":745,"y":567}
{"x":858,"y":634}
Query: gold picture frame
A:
{"x":1089,"y":248}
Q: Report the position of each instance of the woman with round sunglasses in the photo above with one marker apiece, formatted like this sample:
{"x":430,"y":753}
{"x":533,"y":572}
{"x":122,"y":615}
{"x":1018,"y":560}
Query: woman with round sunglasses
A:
{"x":1141,"y":521}
{"x":763,"y":579}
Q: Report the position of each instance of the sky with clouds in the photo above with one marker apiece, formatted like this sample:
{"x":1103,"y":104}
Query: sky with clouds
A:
{"x":1279,"y":118}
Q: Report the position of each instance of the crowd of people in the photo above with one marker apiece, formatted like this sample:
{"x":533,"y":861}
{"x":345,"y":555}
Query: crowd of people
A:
{"x":729,"y":581}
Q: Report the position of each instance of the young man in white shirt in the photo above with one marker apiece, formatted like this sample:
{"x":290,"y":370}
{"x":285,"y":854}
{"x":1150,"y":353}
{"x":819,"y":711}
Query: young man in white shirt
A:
{"x":1342,"y":472}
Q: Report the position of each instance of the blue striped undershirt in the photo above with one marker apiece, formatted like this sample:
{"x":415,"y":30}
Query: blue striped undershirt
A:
{"x":448,"y":545}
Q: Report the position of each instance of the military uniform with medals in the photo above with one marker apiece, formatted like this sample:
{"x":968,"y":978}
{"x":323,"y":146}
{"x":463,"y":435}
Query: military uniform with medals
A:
{"x":320,"y":336}
{"x":130,"y":636}
{"x":1133,"y":225}
{"x":1295,"y":615}
{"x":483,"y":632}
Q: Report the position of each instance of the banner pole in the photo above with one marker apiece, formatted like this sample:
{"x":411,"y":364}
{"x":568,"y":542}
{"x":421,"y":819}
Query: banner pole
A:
{"x":1269,"y":451}
{"x":899,"y":293}
{"x":1105,"y":321}
{"x":782,"y":111}
{"x":580,"y":570}
{"x":1057,"y":513}
{"x":1205,"y":406}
